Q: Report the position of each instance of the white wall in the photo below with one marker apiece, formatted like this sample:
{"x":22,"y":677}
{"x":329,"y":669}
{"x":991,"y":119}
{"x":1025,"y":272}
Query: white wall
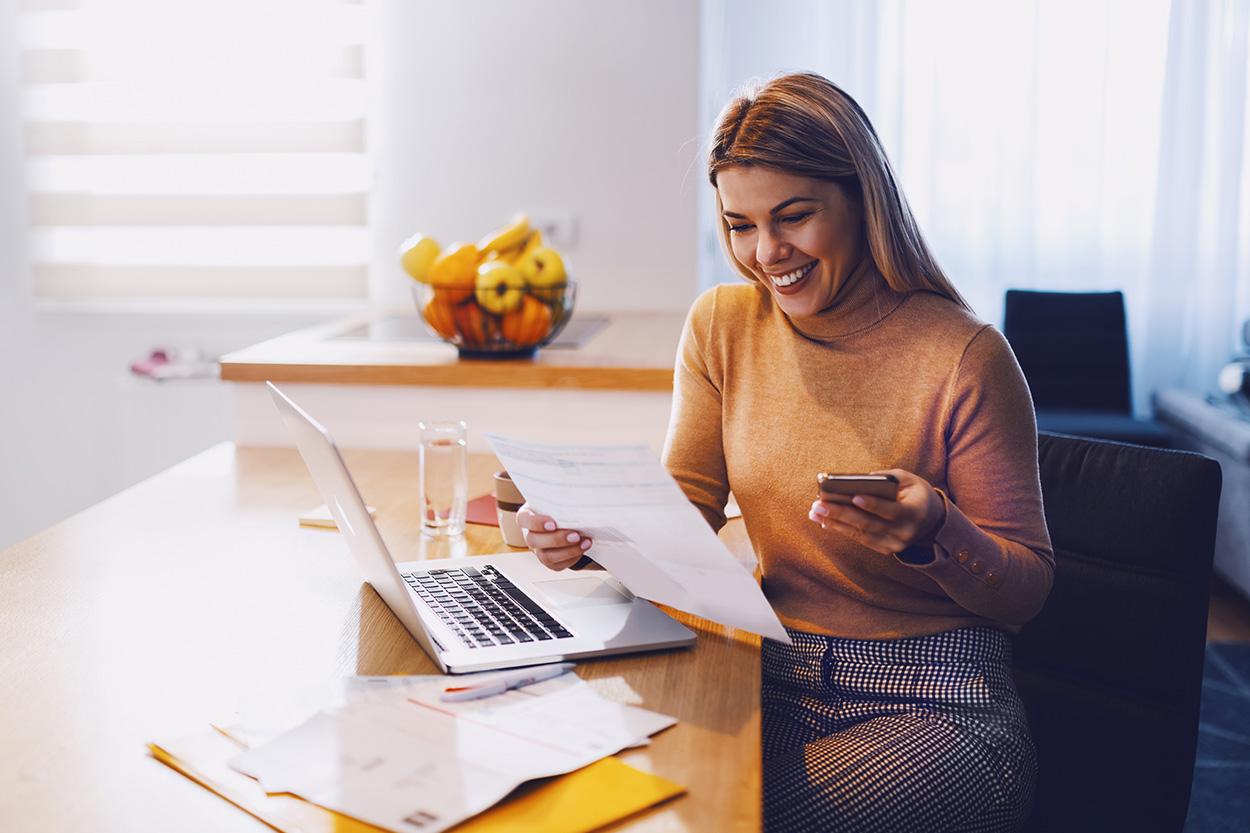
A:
{"x":483,"y":108}
{"x":489,"y":107}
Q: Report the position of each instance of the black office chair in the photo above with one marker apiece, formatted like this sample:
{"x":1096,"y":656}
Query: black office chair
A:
{"x":1111,"y":670}
{"x":1073,"y":349}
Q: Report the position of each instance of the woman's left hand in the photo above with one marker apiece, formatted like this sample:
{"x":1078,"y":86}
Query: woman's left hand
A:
{"x":887,"y":526}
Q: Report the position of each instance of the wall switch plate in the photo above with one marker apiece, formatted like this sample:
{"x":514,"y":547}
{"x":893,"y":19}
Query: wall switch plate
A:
{"x":559,"y":228}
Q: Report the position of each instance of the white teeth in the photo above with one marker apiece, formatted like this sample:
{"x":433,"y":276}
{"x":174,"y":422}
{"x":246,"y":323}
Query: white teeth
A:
{"x":787,"y":279}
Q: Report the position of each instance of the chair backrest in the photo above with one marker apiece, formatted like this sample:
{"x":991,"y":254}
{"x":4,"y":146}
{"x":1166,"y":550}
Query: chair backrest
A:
{"x":1111,"y":670}
{"x":1072,"y":347}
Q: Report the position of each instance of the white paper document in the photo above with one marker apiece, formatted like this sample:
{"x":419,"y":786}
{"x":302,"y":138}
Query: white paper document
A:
{"x":645,"y":531}
{"x":263,"y":716}
{"x":397,"y":756}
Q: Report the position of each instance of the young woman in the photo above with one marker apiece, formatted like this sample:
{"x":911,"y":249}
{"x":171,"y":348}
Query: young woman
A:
{"x":848,"y":350}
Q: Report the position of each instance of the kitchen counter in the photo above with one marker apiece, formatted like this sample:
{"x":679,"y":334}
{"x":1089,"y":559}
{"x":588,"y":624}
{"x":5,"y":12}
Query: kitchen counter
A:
{"x":621,"y":351}
{"x":370,"y":378}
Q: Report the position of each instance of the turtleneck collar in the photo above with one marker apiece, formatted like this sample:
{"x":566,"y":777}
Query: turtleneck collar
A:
{"x":863,"y":300}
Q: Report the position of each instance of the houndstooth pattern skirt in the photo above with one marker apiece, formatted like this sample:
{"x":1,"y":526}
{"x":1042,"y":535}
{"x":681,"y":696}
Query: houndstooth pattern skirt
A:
{"x":890,"y":736}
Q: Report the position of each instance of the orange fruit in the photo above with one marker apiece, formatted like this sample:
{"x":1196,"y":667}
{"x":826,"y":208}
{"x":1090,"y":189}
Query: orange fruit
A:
{"x":527,"y":325}
{"x":454,"y":272}
{"x":438,"y":315}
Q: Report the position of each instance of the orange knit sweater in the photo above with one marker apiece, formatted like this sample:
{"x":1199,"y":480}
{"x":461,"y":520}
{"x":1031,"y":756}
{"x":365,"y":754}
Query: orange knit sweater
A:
{"x":879,"y":380}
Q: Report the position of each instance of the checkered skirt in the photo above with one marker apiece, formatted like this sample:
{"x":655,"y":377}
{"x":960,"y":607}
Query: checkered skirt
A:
{"x":921,"y":734}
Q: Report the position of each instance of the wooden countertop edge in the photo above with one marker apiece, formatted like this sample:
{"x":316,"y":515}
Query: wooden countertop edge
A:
{"x":485,"y":374}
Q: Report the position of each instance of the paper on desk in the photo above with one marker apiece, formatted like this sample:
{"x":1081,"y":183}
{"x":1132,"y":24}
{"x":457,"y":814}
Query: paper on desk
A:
{"x":645,"y":531}
{"x":564,"y":710}
{"x":585,"y":800}
{"x":263,"y":716}
{"x":406,"y":761}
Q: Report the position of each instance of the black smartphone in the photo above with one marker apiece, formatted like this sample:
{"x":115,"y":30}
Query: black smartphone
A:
{"x":877,"y":485}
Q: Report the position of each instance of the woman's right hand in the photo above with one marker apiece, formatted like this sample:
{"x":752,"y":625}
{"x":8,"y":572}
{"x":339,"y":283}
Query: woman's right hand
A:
{"x":556,"y":548}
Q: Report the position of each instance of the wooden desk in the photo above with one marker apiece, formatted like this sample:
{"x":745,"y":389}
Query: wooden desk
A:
{"x":145,"y":616}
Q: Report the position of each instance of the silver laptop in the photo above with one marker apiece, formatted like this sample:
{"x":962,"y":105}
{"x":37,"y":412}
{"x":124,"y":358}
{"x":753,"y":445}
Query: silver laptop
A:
{"x":489,"y":611}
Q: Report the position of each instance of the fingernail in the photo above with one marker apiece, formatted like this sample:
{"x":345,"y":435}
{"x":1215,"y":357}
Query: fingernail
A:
{"x":858,"y":500}
{"x":574,"y":537}
{"x":819,"y":509}
{"x":586,"y":544}
{"x":550,"y":526}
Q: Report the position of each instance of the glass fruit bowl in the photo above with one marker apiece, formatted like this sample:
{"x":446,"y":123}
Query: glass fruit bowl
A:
{"x":495,"y":322}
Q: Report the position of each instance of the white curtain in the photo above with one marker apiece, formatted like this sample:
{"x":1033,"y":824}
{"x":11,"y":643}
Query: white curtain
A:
{"x":1045,"y":144}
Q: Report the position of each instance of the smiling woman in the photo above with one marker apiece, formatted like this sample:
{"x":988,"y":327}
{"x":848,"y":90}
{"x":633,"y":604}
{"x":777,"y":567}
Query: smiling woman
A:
{"x":195,"y":150}
{"x":850,"y":351}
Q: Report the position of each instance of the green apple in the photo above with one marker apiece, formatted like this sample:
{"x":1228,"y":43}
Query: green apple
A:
{"x":542,"y":266}
{"x":500,"y":287}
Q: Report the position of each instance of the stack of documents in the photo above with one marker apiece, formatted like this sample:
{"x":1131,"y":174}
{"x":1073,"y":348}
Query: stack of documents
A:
{"x":391,"y":752}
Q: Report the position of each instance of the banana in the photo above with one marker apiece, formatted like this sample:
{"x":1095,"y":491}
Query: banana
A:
{"x":417,"y":254}
{"x":534,"y":240}
{"x":506,"y":237}
{"x":516,"y":254}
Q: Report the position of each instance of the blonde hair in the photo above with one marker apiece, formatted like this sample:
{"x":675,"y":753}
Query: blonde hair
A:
{"x":804,"y":125}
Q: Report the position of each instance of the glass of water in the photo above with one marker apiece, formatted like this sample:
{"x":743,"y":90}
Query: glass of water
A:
{"x":444,"y":477}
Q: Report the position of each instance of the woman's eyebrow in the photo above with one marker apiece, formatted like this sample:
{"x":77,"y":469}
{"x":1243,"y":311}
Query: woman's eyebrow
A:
{"x":781,"y":206}
{"x":784,"y":205}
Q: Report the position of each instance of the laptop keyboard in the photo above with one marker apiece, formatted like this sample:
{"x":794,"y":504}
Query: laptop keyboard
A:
{"x":483,"y":607}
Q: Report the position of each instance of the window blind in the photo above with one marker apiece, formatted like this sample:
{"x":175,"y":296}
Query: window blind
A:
{"x":195,"y":149}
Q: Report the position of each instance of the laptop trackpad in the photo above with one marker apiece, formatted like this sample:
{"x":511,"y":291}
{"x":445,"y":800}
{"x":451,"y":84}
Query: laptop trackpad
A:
{"x":583,"y":591}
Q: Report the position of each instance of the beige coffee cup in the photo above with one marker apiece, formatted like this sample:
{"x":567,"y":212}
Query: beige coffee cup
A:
{"x":508,"y":500}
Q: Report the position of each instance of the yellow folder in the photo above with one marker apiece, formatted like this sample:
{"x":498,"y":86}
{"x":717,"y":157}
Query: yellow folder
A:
{"x":580,"y":801}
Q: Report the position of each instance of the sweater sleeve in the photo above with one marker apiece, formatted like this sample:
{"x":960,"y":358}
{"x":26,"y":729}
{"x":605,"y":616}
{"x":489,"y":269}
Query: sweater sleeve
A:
{"x":992,"y":555}
{"x":693,"y":448}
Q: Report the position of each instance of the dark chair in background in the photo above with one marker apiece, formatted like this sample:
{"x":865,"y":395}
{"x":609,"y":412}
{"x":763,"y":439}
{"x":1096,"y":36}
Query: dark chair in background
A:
{"x":1111,"y":669}
{"x":1073,"y":349}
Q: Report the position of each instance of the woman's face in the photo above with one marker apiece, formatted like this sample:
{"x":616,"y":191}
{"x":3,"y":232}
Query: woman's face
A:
{"x":801,"y":237}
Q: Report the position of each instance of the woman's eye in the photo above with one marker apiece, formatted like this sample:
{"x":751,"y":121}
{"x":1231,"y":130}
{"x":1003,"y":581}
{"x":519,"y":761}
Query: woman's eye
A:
{"x":792,"y":219}
{"x":738,"y":228}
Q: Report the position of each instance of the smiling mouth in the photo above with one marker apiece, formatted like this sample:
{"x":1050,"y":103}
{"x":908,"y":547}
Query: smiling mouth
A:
{"x":794,"y":277}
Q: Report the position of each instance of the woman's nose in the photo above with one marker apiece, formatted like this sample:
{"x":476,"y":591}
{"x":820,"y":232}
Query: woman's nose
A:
{"x":770,"y":249}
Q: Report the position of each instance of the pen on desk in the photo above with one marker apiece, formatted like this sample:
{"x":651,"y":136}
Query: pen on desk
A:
{"x":498,"y":685}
